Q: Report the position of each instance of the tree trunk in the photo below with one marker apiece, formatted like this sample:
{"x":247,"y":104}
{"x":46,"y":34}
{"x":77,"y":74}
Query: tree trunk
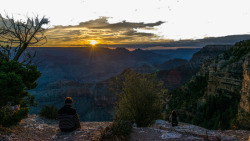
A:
{"x":20,"y":52}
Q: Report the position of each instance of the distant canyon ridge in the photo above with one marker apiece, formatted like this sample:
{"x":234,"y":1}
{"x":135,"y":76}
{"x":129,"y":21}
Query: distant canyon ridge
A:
{"x":83,"y":73}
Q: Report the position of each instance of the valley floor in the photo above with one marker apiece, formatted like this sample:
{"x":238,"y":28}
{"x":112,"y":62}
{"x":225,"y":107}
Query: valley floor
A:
{"x":35,"y":128}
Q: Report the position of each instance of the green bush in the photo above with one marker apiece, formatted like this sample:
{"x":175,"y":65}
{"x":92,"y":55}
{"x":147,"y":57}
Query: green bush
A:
{"x":15,"y":80}
{"x":117,"y":131}
{"x":242,"y":121}
{"x":9,"y":117}
{"x":215,"y":114}
{"x":140,"y":98}
{"x":238,"y":50}
{"x":49,"y":111}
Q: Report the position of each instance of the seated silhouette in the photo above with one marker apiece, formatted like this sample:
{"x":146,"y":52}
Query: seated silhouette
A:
{"x":173,"y":118}
{"x":68,"y":118}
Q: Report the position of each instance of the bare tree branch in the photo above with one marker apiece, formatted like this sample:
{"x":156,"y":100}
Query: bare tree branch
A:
{"x":21,"y":34}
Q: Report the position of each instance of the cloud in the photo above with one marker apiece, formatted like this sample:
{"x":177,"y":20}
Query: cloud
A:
{"x":123,"y":33}
{"x":102,"y":31}
{"x":102,"y":23}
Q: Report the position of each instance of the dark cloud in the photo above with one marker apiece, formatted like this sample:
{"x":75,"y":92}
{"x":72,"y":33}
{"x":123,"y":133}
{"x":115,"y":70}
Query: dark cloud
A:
{"x":120,"y":39}
{"x":132,"y":33}
{"x":103,"y":31}
{"x":102,"y":23}
{"x":74,"y":32}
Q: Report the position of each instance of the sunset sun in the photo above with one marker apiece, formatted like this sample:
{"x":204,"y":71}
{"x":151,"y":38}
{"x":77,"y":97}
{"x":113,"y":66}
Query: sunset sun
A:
{"x":93,"y":42}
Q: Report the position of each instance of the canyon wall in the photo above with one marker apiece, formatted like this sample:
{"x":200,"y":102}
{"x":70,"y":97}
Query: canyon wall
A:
{"x":217,"y":96}
{"x":178,"y":76}
{"x":244,"y":106}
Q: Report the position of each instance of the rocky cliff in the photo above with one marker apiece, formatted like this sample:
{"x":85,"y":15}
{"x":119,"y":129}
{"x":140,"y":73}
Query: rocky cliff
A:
{"x":224,"y":75}
{"x":245,"y":93}
{"x":228,"y":75}
{"x":212,"y":97}
{"x":178,"y":76}
{"x":209,"y":52}
{"x":244,"y":106}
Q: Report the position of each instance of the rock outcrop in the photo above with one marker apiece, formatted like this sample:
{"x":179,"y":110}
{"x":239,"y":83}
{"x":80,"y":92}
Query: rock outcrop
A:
{"x":176,"y":77}
{"x":209,"y":52}
{"x":212,"y":97}
{"x":224,"y":76}
{"x":244,"y":106}
{"x":184,"y":132}
{"x":229,"y":74}
{"x":36,"y":128}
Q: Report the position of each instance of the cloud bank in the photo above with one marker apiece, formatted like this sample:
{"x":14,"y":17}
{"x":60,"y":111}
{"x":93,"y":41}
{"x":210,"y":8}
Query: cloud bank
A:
{"x":103,"y":32}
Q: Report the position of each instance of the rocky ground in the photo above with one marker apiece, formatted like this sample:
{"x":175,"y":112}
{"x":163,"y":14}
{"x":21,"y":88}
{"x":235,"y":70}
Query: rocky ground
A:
{"x":35,"y":128}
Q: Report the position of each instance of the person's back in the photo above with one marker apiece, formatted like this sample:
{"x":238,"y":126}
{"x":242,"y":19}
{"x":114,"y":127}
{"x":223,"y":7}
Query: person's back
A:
{"x":68,"y":118}
{"x":174,"y":119}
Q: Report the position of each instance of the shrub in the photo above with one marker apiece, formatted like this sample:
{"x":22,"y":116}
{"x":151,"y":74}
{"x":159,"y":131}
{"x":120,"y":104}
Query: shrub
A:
{"x":49,"y":111}
{"x":238,"y":50}
{"x":140,"y":98}
{"x":9,"y":117}
{"x":15,"y":80}
{"x":117,"y":131}
{"x":242,"y":121}
{"x":215,"y":114}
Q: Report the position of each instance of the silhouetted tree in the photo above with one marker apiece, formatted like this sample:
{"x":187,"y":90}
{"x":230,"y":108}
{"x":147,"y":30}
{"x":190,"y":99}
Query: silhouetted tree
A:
{"x":17,"y":35}
{"x":16,"y":77}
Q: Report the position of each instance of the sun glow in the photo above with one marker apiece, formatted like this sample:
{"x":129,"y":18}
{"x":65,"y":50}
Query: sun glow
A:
{"x":93,"y":42}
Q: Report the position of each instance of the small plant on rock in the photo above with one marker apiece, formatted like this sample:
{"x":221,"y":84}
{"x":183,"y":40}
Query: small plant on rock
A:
{"x":49,"y":111}
{"x":118,"y":131}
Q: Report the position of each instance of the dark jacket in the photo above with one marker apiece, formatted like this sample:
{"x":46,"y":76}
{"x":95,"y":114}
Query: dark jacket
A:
{"x":68,"y":118}
{"x":174,"y":119}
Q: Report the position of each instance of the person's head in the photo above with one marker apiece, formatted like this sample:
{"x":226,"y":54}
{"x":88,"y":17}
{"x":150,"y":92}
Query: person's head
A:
{"x":68,"y":101}
{"x":173,"y":113}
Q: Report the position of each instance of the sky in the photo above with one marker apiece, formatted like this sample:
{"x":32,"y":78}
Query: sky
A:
{"x":79,"y":22}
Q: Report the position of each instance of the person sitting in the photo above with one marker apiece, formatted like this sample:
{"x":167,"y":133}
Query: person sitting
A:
{"x":68,"y":118}
{"x":173,"y":118}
